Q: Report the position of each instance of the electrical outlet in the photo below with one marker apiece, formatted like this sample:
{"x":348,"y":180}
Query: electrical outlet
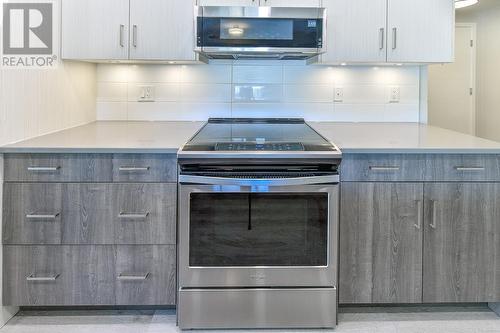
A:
{"x":146,"y":94}
{"x":395,"y":95}
{"x":339,"y":94}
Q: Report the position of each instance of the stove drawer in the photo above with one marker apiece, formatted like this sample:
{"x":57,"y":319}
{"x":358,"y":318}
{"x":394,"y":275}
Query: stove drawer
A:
{"x":257,"y":308}
{"x":383,"y":167}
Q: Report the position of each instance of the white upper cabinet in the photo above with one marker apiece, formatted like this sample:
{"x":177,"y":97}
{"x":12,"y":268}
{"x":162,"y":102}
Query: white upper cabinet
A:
{"x":95,"y":29}
{"x":162,"y":29}
{"x":421,"y":31}
{"x":291,"y":3}
{"x":245,"y":3}
{"x":356,"y":31}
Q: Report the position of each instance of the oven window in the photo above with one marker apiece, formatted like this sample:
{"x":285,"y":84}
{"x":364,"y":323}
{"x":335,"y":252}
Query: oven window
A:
{"x":258,"y":229}
{"x":258,"y":29}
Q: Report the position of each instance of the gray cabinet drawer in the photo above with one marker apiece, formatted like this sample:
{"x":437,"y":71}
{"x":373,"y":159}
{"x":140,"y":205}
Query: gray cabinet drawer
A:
{"x":58,"y":275}
{"x":382,"y":167}
{"x":145,"y":275}
{"x":144,"y":168}
{"x":462,"y":168}
{"x":145,"y":213}
{"x":32,"y":213}
{"x":58,"y":167}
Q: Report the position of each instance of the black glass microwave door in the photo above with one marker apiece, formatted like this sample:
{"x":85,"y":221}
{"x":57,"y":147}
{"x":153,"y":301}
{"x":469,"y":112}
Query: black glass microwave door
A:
{"x":259,"y":32}
{"x":269,"y":229}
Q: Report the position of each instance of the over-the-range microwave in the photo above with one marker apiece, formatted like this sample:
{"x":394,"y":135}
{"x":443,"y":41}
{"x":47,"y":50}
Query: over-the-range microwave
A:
{"x":281,"y":33}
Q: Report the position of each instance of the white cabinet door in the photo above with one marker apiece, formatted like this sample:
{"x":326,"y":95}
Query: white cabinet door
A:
{"x":95,"y":29}
{"x":421,"y":31}
{"x":247,"y":3}
{"x":162,"y":30}
{"x":291,"y":3}
{"x":356,"y":31}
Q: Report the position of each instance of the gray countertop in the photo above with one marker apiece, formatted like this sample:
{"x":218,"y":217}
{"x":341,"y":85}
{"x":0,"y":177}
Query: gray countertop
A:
{"x":168,"y":137}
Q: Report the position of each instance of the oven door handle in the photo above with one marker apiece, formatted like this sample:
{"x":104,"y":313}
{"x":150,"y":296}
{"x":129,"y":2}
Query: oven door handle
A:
{"x":313,"y":180}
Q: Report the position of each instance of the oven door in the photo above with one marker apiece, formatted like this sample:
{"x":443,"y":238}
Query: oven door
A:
{"x":247,"y":233}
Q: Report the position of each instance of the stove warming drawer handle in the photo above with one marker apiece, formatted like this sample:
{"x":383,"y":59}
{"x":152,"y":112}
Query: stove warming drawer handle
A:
{"x":313,"y":180}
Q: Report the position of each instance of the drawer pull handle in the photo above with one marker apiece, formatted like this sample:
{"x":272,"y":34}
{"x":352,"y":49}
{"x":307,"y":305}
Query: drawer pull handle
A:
{"x":44,"y":169}
{"x":134,"y":169}
{"x":434,"y":215}
{"x":132,"y":277}
{"x":470,"y":168}
{"x":133,"y":215}
{"x":35,"y":278}
{"x":42,"y":216}
{"x":381,"y":168}
{"x":418,"y":225}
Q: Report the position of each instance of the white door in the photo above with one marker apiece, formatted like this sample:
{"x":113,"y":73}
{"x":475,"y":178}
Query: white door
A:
{"x":420,"y":30}
{"x":452,"y":86}
{"x":162,"y":30}
{"x":356,"y":31}
{"x":291,"y":3}
{"x":95,"y":29}
{"x":247,"y":3}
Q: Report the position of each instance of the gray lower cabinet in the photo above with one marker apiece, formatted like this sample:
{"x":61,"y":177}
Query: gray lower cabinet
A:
{"x":89,"y":275}
{"x":462,"y":242}
{"x":381,"y":243}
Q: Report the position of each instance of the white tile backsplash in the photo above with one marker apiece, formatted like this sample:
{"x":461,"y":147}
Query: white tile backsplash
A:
{"x":197,"y":92}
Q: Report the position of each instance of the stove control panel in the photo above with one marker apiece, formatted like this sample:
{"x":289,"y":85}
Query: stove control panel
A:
{"x":255,"y":146}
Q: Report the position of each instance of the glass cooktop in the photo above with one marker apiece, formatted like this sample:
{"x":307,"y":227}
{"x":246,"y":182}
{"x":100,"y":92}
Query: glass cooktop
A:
{"x":238,"y":134}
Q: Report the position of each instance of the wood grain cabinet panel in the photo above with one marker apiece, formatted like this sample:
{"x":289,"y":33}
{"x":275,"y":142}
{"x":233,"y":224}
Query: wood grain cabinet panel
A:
{"x":462,"y":168}
{"x":57,"y":167}
{"x":382,"y":167}
{"x":381,"y":243}
{"x":32,"y":213}
{"x":58,"y":275}
{"x":146,"y":275}
{"x":145,"y":168}
{"x":462,"y":242}
{"x":145,"y":213}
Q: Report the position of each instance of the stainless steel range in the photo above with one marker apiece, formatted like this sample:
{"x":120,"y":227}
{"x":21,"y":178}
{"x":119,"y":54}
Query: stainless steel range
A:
{"x":258,"y":226}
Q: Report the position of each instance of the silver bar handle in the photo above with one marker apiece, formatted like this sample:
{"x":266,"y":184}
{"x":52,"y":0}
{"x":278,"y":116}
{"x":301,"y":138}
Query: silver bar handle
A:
{"x":202,"y":180}
{"x":42,"y":216}
{"x":122,"y":34}
{"x":133,"y":169}
{"x":434,"y":215}
{"x":418,"y":225}
{"x":134,"y":35}
{"x":134,"y":216}
{"x":394,"y":38}
{"x":34,"y":278}
{"x":43,"y":169}
{"x":461,"y":168}
{"x":132,"y":277}
{"x":384,"y":168}
{"x":382,"y":38}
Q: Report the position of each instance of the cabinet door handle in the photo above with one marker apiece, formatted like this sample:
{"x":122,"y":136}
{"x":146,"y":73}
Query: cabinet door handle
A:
{"x":42,"y":216}
{"x":133,"y":169}
{"x":434,"y":214}
{"x":382,"y":38}
{"x":133,"y":216}
{"x":461,"y":168}
{"x":132,"y":277}
{"x":394,"y":38}
{"x":122,"y":34}
{"x":384,"y":168}
{"x":134,"y":35}
{"x":34,"y":278}
{"x":418,"y":225}
{"x":43,"y":169}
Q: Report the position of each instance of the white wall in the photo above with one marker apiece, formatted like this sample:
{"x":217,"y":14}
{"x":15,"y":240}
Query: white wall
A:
{"x":35,"y":102}
{"x":487,"y":18}
{"x":196,"y":92}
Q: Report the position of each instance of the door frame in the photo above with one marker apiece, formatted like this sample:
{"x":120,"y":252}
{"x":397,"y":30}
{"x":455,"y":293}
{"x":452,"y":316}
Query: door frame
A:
{"x":473,"y":69}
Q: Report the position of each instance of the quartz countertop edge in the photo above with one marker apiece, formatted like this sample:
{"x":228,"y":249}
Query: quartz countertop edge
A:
{"x":166,"y":137}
